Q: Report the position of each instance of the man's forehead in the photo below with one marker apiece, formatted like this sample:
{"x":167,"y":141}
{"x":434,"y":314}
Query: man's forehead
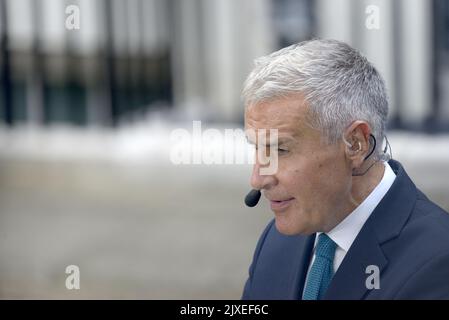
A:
{"x":279,"y":112}
{"x":286,"y":116}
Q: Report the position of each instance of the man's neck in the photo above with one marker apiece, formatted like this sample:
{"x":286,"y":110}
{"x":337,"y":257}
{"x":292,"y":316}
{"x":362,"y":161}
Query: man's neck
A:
{"x":362,"y":186}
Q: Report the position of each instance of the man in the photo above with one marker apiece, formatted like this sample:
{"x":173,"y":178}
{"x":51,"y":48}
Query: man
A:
{"x":348,"y":224}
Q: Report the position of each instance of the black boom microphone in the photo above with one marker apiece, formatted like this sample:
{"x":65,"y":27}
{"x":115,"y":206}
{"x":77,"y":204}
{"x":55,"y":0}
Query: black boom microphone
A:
{"x":252,"y":198}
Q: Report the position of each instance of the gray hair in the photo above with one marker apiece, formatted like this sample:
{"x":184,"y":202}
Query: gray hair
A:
{"x":338,"y":83}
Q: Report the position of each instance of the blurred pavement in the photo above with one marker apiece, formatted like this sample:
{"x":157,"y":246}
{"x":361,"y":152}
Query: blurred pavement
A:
{"x":142,"y":229}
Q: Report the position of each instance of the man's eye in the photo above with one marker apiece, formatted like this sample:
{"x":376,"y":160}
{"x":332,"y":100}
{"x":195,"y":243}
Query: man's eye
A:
{"x":280,"y":150}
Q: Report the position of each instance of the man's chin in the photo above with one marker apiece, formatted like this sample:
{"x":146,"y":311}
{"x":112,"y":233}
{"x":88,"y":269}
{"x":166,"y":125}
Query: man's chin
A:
{"x":289,"y":229}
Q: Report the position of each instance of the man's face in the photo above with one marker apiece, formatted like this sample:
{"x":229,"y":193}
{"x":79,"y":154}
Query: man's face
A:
{"x":312,"y":185}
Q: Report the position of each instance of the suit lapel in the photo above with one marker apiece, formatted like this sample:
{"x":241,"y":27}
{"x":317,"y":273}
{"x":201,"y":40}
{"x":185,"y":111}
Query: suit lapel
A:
{"x":349,"y":281}
{"x":304,"y":254}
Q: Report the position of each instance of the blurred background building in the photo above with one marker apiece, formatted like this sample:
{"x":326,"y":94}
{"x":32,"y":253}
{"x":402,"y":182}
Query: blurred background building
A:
{"x":86,"y":115}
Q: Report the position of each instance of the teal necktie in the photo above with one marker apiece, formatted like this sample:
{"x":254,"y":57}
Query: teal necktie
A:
{"x":322,"y":270}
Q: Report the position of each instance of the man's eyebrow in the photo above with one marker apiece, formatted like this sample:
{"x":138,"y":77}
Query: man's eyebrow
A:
{"x":282,"y":140}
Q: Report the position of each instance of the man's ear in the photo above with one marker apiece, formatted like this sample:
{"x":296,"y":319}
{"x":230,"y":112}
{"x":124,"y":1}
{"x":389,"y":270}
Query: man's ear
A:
{"x":357,"y":140}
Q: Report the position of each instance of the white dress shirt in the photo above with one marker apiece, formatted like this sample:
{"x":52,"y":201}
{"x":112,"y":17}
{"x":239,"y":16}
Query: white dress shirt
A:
{"x":347,"y":230}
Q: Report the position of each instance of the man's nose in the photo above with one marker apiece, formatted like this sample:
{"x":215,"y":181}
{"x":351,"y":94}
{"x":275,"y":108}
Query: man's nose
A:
{"x":259,"y":181}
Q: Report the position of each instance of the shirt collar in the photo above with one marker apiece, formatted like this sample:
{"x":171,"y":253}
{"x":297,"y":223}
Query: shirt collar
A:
{"x":347,"y":230}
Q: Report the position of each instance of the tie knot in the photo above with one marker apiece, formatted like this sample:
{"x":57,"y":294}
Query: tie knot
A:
{"x":325,"y":247}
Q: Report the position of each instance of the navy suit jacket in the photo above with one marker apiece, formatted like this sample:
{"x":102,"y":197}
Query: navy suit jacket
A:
{"x":406,"y":237}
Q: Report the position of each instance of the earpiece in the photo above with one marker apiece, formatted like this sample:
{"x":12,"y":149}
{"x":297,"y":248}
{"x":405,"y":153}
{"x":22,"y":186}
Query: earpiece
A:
{"x":360,"y":146}
{"x":351,"y":146}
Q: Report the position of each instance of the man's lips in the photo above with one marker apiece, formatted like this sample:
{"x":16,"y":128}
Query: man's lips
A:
{"x":277,"y":205}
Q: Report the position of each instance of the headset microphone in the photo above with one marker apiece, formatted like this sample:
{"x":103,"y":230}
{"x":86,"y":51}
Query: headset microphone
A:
{"x":252,"y":198}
